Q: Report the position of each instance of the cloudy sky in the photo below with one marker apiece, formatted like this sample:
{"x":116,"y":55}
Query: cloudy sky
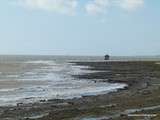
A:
{"x":80,"y":27}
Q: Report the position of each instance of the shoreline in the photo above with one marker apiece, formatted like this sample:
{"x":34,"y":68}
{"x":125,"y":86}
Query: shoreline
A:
{"x":141,"y":76}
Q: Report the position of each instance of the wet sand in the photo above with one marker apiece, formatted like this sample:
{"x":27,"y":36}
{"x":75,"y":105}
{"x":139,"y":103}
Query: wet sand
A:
{"x":142,"y":94}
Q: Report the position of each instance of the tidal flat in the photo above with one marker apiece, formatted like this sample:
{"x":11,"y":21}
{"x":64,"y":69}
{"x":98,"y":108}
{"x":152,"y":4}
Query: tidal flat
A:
{"x":141,"y":96}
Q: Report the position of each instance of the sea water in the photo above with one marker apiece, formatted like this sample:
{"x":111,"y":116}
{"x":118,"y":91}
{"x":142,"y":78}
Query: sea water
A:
{"x":32,"y":78}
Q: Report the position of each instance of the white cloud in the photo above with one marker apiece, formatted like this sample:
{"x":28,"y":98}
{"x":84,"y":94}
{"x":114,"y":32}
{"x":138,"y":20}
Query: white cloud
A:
{"x":92,"y":7}
{"x":60,"y":6}
{"x":100,"y":6}
{"x":131,"y":4}
{"x":97,"y":6}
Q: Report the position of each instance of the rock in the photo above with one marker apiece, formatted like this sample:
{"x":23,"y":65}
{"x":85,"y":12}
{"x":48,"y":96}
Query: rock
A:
{"x":123,"y":115}
{"x":146,"y":92}
{"x":27,"y":119}
{"x":145,"y":85}
{"x":19,"y":104}
{"x":71,"y":103}
{"x":42,"y":100}
{"x":108,"y":106}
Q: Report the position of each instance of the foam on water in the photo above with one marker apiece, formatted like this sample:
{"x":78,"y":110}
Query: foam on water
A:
{"x":59,"y":83}
{"x":46,"y":62}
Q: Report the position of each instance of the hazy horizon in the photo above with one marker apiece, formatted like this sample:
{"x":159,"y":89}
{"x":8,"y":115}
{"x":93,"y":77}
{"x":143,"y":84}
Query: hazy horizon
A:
{"x":54,"y":55}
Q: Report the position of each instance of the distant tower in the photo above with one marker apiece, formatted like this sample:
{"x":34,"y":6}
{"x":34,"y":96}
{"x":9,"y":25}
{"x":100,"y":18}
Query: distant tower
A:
{"x":106,"y":57}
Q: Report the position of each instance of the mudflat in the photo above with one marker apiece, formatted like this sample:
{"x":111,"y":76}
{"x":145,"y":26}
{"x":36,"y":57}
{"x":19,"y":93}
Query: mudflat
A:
{"x":142,"y":96}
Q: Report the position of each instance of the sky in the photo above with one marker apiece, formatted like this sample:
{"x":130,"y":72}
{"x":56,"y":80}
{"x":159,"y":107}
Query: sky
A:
{"x":80,"y":27}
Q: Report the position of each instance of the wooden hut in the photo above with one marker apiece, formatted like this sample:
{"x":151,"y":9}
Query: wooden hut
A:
{"x":106,"y":57}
